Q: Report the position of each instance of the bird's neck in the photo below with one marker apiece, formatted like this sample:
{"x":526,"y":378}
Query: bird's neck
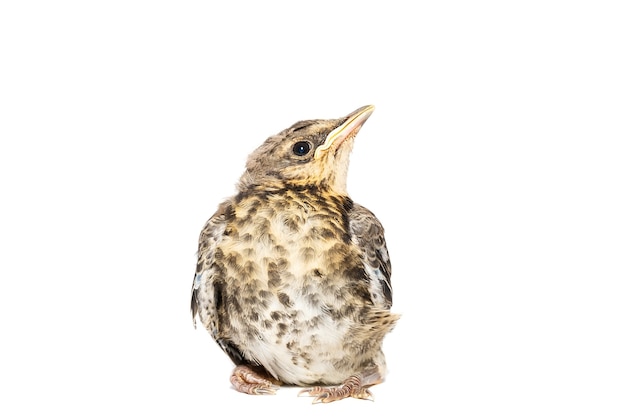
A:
{"x":318,"y":191}
{"x":270,"y":187}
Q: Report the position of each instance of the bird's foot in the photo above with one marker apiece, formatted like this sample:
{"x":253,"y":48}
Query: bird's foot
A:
{"x":249,"y":381}
{"x":351,"y":387}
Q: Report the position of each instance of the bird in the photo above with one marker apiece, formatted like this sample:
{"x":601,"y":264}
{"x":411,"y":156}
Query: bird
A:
{"x":293,"y":278}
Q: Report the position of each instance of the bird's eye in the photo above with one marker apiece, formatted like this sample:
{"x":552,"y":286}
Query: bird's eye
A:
{"x":301,"y":148}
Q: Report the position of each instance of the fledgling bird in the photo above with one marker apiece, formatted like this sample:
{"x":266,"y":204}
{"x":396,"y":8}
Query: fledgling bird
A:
{"x":293,"y":278}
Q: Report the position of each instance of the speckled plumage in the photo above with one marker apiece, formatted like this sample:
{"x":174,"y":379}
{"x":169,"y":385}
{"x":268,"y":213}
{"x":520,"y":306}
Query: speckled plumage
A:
{"x":293,"y":277}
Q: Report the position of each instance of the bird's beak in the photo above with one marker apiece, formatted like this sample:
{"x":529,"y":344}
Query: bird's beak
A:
{"x":349,"y":128}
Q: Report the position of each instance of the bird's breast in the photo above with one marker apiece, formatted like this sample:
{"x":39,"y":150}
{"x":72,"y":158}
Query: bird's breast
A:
{"x":279,"y":249}
{"x":293,"y":281}
{"x":289,"y":225}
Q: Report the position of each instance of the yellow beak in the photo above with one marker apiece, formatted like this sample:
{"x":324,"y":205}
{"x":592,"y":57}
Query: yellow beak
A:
{"x":347,"y":129}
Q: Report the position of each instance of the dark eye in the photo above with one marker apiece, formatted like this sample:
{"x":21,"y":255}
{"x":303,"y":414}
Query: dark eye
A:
{"x":301,"y":148}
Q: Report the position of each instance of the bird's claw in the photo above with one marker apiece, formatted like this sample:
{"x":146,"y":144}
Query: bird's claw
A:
{"x":330,"y":394}
{"x":246,"y":380}
{"x":263,"y":390}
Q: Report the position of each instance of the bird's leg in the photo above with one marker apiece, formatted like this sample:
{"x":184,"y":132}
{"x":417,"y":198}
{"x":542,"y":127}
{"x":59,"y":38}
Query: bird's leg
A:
{"x":355,"y":386}
{"x":249,"y":381}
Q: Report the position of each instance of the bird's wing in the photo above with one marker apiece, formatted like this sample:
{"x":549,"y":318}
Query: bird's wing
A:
{"x":207,"y":292}
{"x":368,"y":234}
{"x":202,"y":292}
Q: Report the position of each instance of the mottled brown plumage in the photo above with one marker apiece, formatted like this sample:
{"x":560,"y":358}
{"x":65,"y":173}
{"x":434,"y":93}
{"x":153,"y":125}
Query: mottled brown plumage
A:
{"x":293,"y":277}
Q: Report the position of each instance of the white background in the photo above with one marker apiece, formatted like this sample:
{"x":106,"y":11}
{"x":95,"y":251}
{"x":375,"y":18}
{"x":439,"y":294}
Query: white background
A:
{"x":495,"y":159}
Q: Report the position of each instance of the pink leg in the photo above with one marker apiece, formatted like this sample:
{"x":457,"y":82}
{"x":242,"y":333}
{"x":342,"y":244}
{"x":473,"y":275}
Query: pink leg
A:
{"x":248,"y":381}
{"x":355,"y":386}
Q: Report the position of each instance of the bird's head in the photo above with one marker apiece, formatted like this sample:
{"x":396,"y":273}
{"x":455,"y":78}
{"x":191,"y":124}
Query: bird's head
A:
{"x":309,"y":153}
